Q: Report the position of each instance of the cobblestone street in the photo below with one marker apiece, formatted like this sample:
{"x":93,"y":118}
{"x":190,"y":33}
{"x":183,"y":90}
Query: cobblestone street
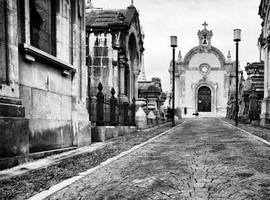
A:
{"x":203,"y":159}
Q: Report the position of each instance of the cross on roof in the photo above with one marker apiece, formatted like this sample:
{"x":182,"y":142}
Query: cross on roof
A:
{"x":205,"y":25}
{"x":132,"y":2}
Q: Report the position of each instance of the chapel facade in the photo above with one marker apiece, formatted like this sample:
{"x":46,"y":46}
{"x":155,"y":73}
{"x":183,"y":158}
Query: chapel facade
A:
{"x":202,"y":78}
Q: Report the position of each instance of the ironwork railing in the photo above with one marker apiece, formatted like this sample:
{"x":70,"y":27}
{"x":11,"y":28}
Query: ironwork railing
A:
{"x":109,"y":112}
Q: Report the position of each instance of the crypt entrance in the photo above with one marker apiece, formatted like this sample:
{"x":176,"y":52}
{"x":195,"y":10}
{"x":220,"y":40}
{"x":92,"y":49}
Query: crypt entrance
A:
{"x":204,"y":99}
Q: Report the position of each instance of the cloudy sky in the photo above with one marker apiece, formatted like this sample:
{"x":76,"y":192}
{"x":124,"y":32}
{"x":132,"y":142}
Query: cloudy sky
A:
{"x":183,"y":18}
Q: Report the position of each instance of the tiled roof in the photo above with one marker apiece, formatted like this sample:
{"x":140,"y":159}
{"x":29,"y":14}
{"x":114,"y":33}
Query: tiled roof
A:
{"x":100,"y":18}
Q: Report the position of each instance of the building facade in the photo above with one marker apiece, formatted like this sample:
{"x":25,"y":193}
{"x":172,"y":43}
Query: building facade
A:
{"x":202,"y":78}
{"x":115,"y":50}
{"x":43,"y":78}
{"x":264,"y":45}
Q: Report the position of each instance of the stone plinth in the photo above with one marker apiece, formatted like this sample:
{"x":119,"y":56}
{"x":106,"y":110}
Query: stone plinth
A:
{"x":265,"y":116}
{"x":14,"y":141}
{"x":102,"y":133}
{"x":140,"y":119}
{"x":151,"y":118}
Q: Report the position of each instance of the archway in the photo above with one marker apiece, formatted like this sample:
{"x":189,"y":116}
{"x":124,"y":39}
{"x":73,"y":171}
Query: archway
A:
{"x":204,"y":99}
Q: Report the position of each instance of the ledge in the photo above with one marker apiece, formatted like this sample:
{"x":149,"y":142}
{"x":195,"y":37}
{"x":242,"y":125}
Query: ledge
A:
{"x":32,"y":53}
{"x":10,"y":100}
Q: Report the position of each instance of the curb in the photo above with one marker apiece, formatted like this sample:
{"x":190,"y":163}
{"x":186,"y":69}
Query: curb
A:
{"x":47,"y":161}
{"x":248,"y":133}
{"x":65,"y":183}
{"x":154,"y":127}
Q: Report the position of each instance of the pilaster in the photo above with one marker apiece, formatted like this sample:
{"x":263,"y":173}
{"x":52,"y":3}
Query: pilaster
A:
{"x":122,"y":67}
{"x":265,"y":106}
{"x":10,"y":103}
{"x":265,"y":114}
{"x":10,"y":89}
{"x":14,"y":132}
{"x":136,"y":76}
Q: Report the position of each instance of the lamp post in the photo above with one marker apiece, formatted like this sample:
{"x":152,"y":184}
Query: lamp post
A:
{"x":237,"y":39}
{"x":173,"y":45}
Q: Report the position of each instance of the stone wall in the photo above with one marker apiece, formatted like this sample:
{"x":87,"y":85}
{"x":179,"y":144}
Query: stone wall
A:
{"x":44,"y":102}
{"x":264,"y":46}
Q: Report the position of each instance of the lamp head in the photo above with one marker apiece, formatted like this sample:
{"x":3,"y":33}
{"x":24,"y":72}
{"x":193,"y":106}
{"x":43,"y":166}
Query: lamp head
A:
{"x":173,"y":41}
{"x":237,"y":35}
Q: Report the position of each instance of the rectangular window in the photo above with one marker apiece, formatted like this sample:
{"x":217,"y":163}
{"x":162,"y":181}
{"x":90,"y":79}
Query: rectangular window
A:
{"x":3,"y":42}
{"x":43,"y":25}
{"x":65,"y":31}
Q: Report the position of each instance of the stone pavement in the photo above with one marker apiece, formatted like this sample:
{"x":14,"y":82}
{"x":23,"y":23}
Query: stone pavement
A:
{"x":259,"y":131}
{"x":29,"y":179}
{"x":203,"y":159}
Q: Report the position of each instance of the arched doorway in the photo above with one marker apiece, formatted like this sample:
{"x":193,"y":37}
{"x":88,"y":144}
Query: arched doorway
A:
{"x":204,"y":99}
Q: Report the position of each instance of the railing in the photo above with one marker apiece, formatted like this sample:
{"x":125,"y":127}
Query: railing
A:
{"x":109,"y":112}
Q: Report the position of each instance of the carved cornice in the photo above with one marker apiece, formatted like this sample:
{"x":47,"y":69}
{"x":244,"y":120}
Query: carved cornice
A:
{"x":206,"y":82}
{"x":199,"y":49}
{"x":255,"y":69}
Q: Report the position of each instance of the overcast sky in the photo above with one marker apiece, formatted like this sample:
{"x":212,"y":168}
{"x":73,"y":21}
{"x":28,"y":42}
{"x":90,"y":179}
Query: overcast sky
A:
{"x":183,"y":18}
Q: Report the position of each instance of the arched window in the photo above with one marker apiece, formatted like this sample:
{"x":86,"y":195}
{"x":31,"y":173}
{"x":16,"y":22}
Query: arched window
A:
{"x":204,"y":40}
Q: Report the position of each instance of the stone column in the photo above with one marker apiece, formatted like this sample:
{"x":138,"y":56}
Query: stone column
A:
{"x":10,"y":89}
{"x":14,"y":132}
{"x":215,"y":99}
{"x":265,"y":109}
{"x":122,"y":67}
{"x":136,"y":75}
{"x":266,"y":70}
{"x":79,"y":115}
{"x":122,"y":80}
{"x":116,"y":79}
{"x":178,"y":92}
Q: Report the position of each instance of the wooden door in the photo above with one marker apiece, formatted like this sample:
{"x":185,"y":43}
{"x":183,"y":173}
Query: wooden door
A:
{"x":204,"y":99}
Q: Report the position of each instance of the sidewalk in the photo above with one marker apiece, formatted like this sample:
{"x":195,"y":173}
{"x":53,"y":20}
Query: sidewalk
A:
{"x":259,"y":131}
{"x":26,"y":180}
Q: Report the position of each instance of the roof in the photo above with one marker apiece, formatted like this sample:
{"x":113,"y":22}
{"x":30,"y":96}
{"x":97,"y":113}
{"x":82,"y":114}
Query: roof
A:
{"x":143,"y":85}
{"x":101,"y":18}
{"x":148,"y":87}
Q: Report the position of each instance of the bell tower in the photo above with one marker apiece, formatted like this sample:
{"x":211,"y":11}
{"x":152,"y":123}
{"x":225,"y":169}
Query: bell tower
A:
{"x":205,"y":36}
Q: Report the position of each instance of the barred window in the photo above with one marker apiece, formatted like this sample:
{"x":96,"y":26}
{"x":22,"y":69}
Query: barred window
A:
{"x":43,"y":25}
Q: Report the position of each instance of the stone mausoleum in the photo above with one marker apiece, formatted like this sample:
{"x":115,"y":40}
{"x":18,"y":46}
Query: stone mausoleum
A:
{"x":115,"y":50}
{"x":202,"y":78}
{"x":43,"y":78}
{"x":264,"y":45}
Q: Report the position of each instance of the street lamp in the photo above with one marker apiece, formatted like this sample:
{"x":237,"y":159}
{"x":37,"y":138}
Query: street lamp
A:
{"x":237,"y":39}
{"x":173,"y":45}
